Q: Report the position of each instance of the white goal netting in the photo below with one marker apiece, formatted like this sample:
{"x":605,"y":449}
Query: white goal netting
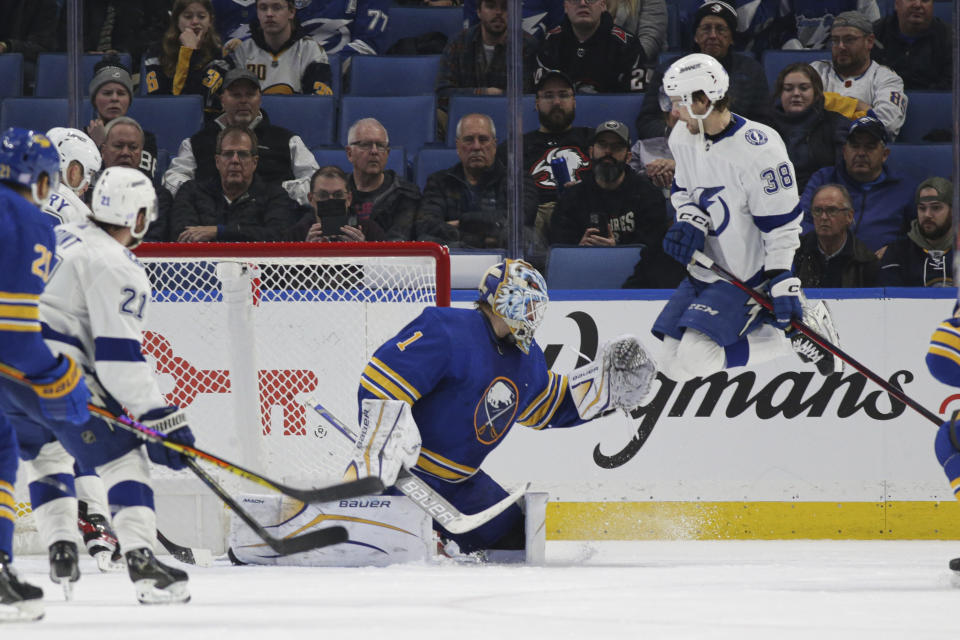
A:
{"x":241,"y":335}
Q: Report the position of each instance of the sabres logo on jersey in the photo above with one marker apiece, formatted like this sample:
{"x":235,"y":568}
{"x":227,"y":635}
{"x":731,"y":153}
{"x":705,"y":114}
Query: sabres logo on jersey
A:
{"x":576,"y":161}
{"x":496,"y":410}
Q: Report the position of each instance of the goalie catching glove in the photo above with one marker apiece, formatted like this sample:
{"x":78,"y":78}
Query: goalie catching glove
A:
{"x":620,"y":378}
{"x":171,"y":422}
{"x":389,"y":439}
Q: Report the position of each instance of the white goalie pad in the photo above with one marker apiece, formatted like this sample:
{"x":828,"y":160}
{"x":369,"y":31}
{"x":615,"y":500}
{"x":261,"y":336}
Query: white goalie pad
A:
{"x":388,"y":440}
{"x":383,"y":530}
{"x":620,"y":378}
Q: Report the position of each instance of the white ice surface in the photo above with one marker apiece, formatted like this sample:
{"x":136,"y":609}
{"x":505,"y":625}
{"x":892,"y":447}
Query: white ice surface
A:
{"x":746,"y":590}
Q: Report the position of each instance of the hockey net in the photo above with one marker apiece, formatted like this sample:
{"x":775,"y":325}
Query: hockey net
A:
{"x":242,"y":334}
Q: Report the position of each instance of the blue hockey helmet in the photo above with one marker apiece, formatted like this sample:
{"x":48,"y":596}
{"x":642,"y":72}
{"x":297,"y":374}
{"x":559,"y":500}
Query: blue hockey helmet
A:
{"x":27,"y":155}
{"x":517,"y":293}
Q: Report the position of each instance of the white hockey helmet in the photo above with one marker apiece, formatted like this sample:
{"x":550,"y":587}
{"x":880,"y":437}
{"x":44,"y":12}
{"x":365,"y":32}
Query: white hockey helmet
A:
{"x":692,"y":73}
{"x":517,"y":293}
{"x":120,"y":194}
{"x":74,"y":145}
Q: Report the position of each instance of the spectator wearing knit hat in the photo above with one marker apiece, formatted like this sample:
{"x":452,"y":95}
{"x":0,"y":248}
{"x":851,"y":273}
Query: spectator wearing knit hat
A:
{"x":925,"y":257}
{"x":714,"y":27}
{"x":111,"y":92}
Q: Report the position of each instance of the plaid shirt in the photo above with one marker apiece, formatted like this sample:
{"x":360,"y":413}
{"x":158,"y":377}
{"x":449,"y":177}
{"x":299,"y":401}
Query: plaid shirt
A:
{"x":464,"y":68}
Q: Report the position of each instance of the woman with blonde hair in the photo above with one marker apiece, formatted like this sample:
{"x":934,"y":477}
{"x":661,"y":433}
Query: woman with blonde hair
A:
{"x":175,"y":65}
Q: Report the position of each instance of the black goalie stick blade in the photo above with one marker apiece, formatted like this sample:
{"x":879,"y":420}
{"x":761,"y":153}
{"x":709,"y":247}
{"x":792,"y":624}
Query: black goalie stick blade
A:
{"x":371,"y":485}
{"x":308,"y":541}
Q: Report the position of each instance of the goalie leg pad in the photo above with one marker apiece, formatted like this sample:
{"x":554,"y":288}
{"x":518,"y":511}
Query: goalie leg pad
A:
{"x":388,"y":439}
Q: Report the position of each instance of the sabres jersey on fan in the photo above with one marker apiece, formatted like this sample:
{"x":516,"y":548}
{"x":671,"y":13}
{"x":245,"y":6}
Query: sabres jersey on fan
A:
{"x":466,"y":388}
{"x":27,"y":255}
{"x":340,"y":26}
{"x":744,"y":181}
{"x":93,"y":310}
{"x":540,"y":148}
{"x":879,"y":86}
{"x":63,"y":206}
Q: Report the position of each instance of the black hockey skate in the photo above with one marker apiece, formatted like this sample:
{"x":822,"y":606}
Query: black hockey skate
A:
{"x":19,"y":601}
{"x":156,"y":583}
{"x":100,"y":539}
{"x":64,"y":566}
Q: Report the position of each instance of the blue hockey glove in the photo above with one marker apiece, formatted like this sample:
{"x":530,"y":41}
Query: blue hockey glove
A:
{"x":62,"y":392}
{"x":785,"y":292}
{"x":687,"y":234}
{"x":171,"y":422}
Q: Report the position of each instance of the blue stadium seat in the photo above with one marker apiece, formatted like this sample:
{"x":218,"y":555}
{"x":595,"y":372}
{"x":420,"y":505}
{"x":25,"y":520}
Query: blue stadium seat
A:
{"x":774,"y":60}
{"x":170,"y":118}
{"x":52,"y":73}
{"x":594,"y":109}
{"x":311,"y":117}
{"x":11,"y":75}
{"x":338,"y":158}
{"x":920,"y":161}
{"x":433,"y":160}
{"x":591,"y":267}
{"x":393,"y":75}
{"x":467,"y":266}
{"x":493,"y":106}
{"x":944,"y":11}
{"x":926,"y":110}
{"x":411,"y":121}
{"x":407,"y":22}
{"x":39,"y":114}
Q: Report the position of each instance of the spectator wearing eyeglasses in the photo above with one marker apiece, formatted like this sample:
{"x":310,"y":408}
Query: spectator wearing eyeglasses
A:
{"x":237,"y":205}
{"x":882,"y":199}
{"x":850,"y":72}
{"x":713,"y":30}
{"x":466,"y":205}
{"x":830,"y":255}
{"x":378,"y":194}
{"x":796,"y":24}
{"x":924,"y":258}
{"x":330,"y":217}
{"x":597,"y":55}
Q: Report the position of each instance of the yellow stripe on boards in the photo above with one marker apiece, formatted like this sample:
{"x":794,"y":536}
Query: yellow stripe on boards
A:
{"x":753,"y":520}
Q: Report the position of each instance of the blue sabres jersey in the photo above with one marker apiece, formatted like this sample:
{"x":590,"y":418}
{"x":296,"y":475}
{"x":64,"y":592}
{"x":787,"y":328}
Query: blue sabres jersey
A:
{"x":466,"y":388}
{"x":27,"y":258}
{"x":340,"y":26}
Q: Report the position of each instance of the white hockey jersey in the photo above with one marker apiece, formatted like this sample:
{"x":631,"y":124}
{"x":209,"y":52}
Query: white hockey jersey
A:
{"x":302,"y":67}
{"x":64,"y":205}
{"x":879,"y":86}
{"x":744,"y":180}
{"x":93,"y":309}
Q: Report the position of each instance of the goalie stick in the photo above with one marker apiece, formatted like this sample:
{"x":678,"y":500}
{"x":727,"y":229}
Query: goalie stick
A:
{"x":425,"y":496}
{"x":767,"y":304}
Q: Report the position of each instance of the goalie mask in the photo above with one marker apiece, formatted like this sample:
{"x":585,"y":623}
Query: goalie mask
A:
{"x":119,"y":196}
{"x":517,"y":293}
{"x":692,"y":73}
{"x":74,"y":145}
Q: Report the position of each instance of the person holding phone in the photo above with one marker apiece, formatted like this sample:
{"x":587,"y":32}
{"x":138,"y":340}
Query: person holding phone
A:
{"x":330,"y":218}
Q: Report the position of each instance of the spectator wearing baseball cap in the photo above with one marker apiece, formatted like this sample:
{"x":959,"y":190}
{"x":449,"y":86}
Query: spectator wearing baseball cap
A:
{"x":613,"y":205}
{"x":852,"y":73}
{"x":714,"y":27}
{"x":796,"y":24}
{"x":924,"y":258}
{"x":111,"y":93}
{"x":882,"y":200}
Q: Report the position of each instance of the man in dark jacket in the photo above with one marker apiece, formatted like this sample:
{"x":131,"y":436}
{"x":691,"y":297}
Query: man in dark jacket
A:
{"x":475,"y":62}
{"x":916,"y":45}
{"x":925,"y":257}
{"x":466,"y":205}
{"x":882,"y":200}
{"x":237,"y":206}
{"x":597,"y":55}
{"x":377,"y":194}
{"x":713,"y":27}
{"x":830,"y":255}
{"x":283,"y":155}
{"x":613,"y":206}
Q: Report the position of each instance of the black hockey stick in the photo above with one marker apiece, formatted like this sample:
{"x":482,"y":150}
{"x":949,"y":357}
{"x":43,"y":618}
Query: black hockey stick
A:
{"x":767,"y":304}
{"x":188,"y":555}
{"x":283,"y":546}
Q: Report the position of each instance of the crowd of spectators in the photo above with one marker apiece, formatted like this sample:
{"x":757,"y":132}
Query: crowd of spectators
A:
{"x":242,"y":178}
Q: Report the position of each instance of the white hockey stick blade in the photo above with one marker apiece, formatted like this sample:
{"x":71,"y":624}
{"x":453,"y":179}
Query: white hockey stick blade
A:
{"x":424,"y":496}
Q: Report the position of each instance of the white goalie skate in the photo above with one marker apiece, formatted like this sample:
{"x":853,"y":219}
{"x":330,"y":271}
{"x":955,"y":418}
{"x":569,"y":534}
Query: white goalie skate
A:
{"x":817,"y":317}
